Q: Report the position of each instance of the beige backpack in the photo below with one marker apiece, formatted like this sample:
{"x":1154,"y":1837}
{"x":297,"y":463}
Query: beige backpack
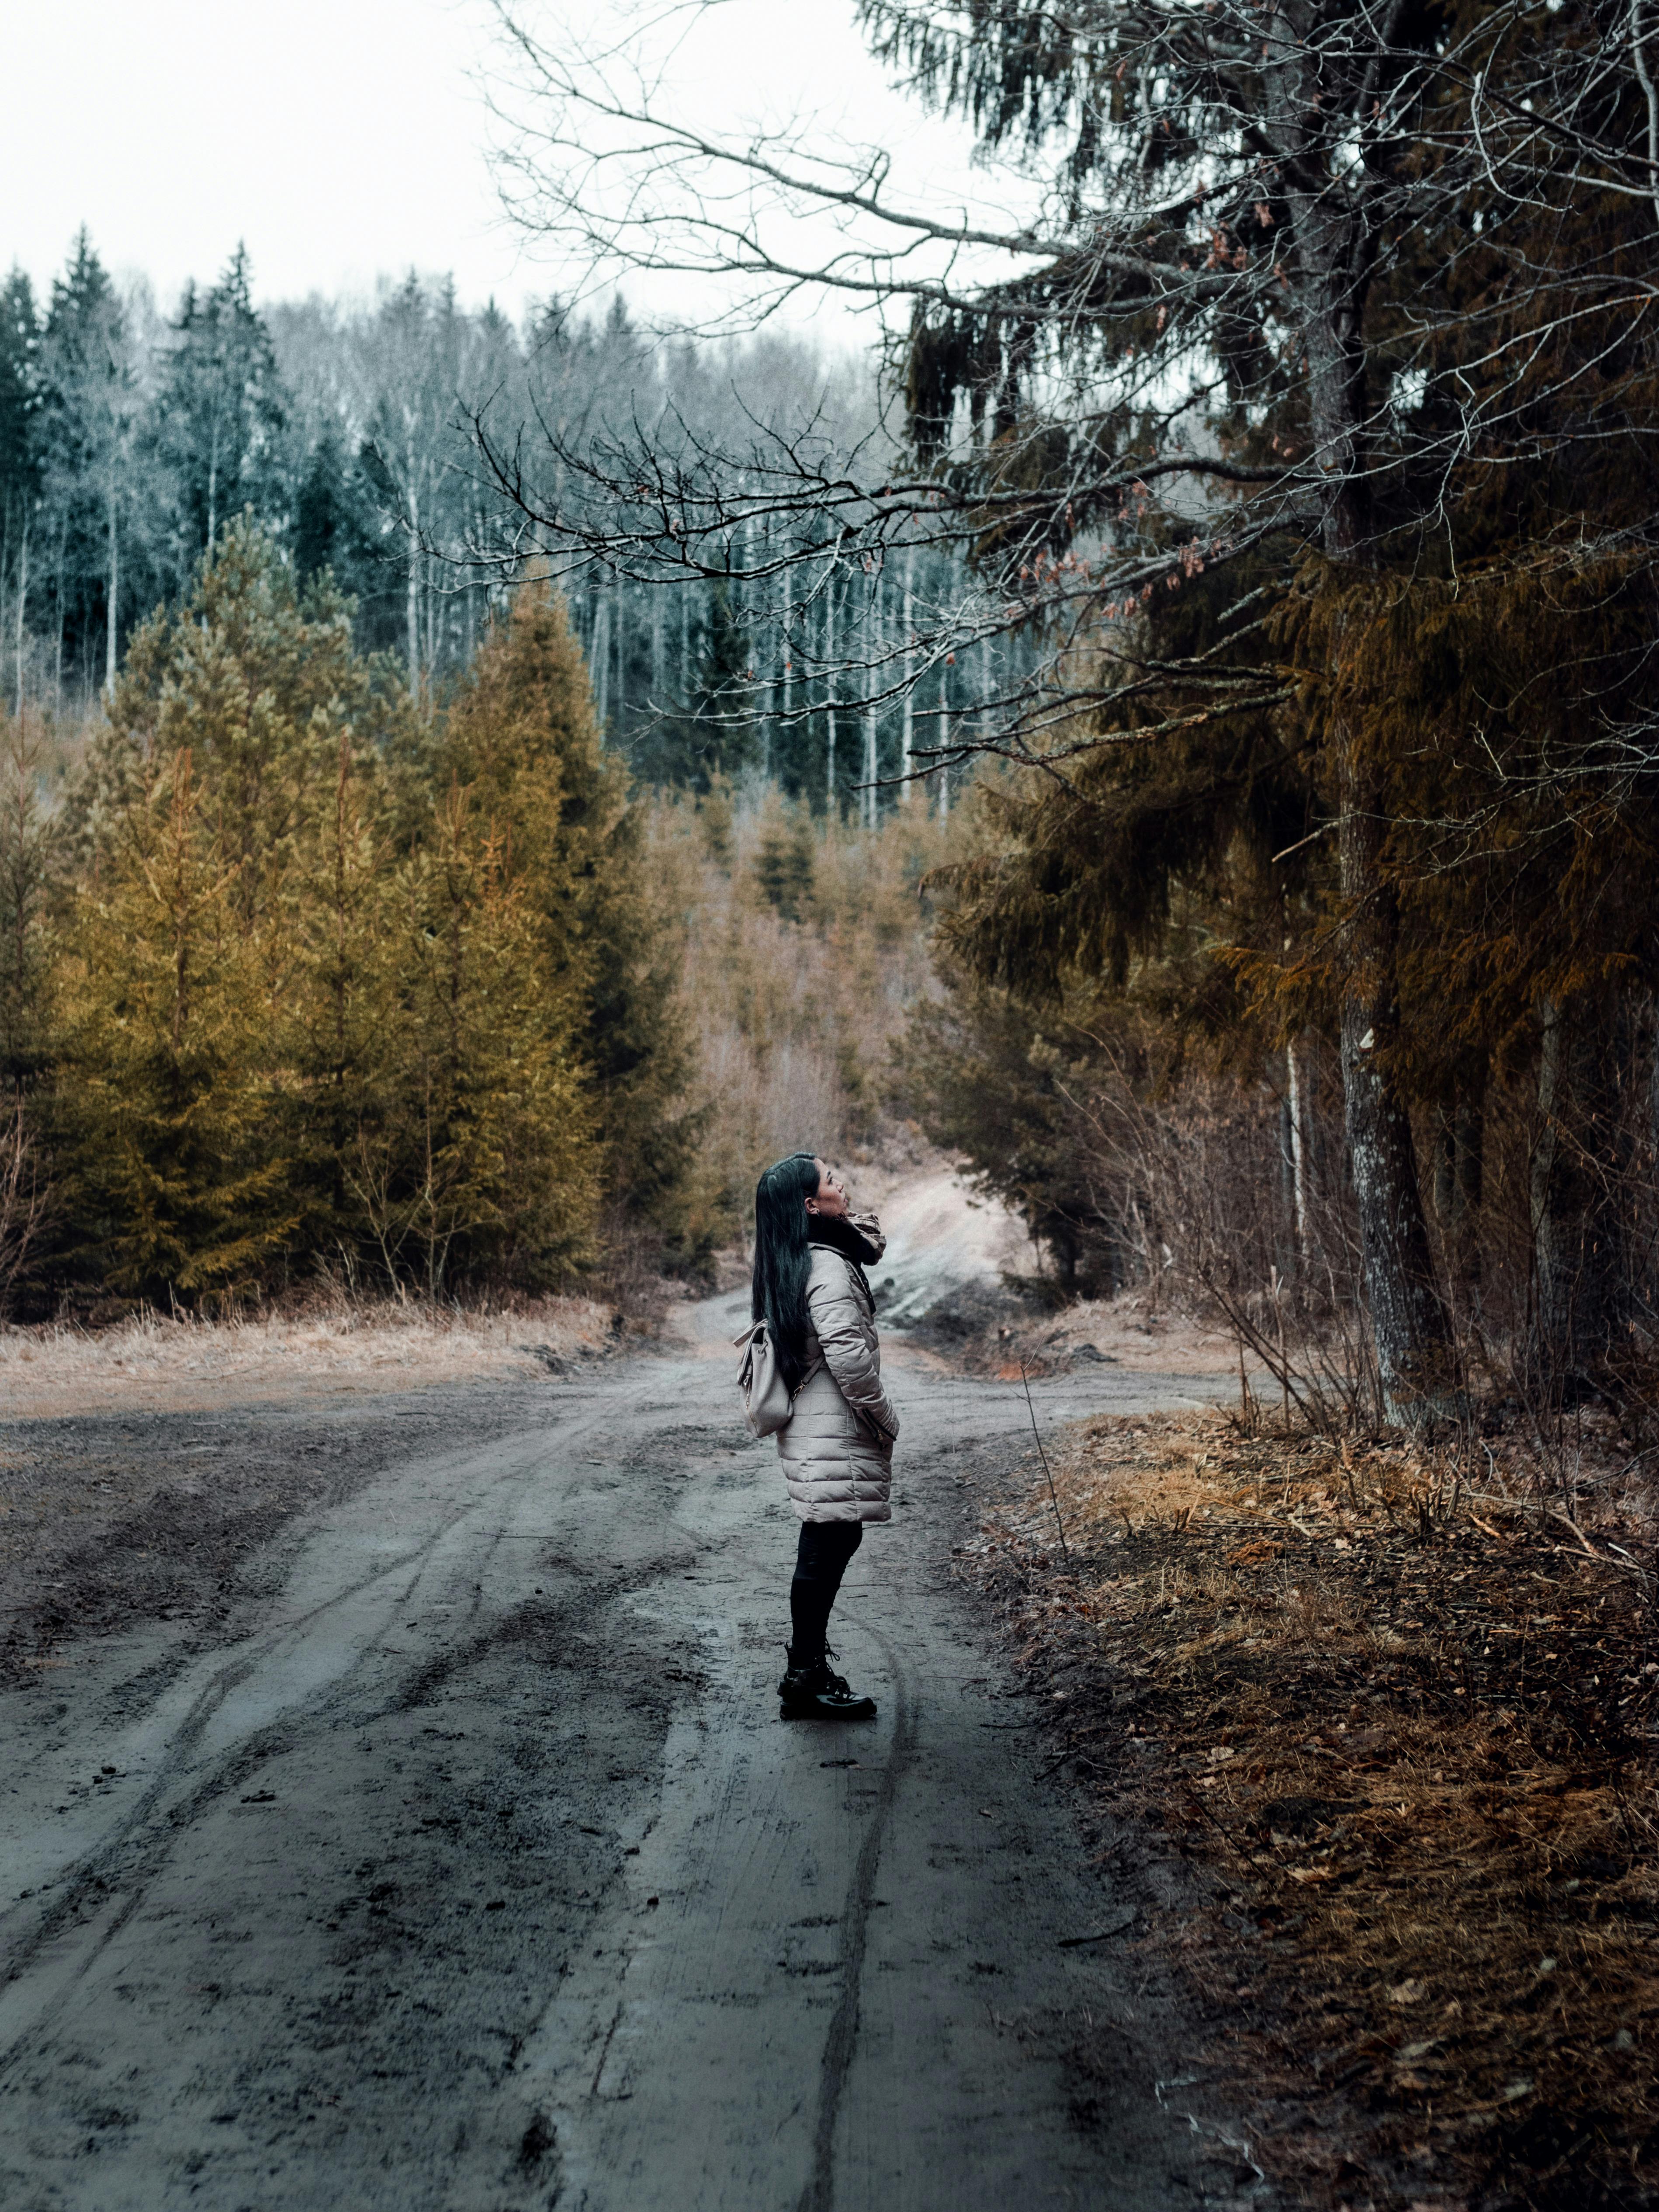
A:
{"x":767,"y":1403}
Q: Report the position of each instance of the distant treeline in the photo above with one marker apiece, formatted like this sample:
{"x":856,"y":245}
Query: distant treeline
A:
{"x":129,"y":439}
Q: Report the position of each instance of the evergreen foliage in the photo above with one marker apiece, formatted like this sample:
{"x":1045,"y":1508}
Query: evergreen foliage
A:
{"x":176,"y":1184}
{"x":329,"y":987}
{"x":221,"y":417}
{"x":522,"y":733}
{"x":20,"y":399}
{"x":993,"y":1081}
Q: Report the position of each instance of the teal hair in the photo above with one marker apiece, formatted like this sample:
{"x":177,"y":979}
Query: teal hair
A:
{"x":783,"y":1259}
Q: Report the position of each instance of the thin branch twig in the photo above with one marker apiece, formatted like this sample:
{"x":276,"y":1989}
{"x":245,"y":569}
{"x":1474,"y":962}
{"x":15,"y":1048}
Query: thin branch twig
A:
{"x":1054,"y":1496}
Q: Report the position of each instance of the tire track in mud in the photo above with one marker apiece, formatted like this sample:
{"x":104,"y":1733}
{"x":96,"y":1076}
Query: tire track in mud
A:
{"x":645,"y":1838}
{"x":569,"y":1641}
{"x":149,"y":1829}
{"x":841,"y":2038}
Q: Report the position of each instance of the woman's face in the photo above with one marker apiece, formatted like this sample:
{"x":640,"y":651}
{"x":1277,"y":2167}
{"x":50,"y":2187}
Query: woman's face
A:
{"x":832,"y":1193}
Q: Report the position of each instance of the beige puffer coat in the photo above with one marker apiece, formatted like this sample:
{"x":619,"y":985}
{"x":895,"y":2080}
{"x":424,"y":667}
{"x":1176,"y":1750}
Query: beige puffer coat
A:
{"x":837,"y":1445}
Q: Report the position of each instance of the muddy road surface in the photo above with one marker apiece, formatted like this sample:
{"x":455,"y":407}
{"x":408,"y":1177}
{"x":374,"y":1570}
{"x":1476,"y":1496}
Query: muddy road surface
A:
{"x":468,"y":1864}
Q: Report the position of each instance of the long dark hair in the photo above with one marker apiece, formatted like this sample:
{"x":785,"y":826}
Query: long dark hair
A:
{"x":783,"y":1258}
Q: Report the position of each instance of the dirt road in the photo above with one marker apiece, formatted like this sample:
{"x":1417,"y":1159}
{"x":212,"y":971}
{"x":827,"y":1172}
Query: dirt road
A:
{"x":473,"y":1868}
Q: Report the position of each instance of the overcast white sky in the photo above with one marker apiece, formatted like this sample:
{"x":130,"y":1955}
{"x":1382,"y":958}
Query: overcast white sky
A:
{"x":346,"y":140}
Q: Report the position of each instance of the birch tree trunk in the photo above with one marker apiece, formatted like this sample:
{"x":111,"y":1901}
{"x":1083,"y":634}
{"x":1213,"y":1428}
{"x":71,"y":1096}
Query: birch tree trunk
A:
{"x":23,"y":605}
{"x":599,"y":658}
{"x":786,"y":685}
{"x":944,"y":740}
{"x":870,"y":753}
{"x":412,"y":599}
{"x":114,"y":590}
{"x":1297,"y":1107}
{"x":830,"y":666}
{"x":907,"y":726}
{"x":788,"y":643}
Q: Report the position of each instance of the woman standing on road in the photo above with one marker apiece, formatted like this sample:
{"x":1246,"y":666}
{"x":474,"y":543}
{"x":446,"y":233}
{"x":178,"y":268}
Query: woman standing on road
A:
{"x":811,"y":1252}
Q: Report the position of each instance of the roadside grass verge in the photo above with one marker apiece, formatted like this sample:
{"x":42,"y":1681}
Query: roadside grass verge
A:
{"x":1405,"y":1742}
{"x":344,"y":1346}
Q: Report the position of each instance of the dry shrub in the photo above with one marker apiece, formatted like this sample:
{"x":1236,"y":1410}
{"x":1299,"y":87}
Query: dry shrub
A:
{"x":1231,"y":1201}
{"x":1239,"y":1214}
{"x":1407,"y":1739}
{"x":23,"y":1200}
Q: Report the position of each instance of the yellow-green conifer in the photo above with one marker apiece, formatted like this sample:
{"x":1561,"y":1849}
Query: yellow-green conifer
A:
{"x":523,"y":736}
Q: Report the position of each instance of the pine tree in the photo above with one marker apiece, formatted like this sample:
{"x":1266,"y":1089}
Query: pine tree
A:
{"x":31,"y":855}
{"x":258,"y":681}
{"x":334,"y":523}
{"x":994,"y":1080}
{"x":20,"y":400}
{"x":174,"y":1192}
{"x":221,"y":420}
{"x":522,"y":736}
{"x":340,"y":1008}
{"x":88,"y":415}
{"x":481,"y":1160}
{"x":282,"y":727}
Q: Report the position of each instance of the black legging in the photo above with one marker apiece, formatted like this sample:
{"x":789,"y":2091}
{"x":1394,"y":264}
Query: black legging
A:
{"x":820,"y":1562}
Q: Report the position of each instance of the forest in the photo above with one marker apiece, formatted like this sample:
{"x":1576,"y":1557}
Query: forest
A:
{"x":1297,"y":440}
{"x":1132,"y":677}
{"x":295,"y":729}
{"x":1262,"y":634}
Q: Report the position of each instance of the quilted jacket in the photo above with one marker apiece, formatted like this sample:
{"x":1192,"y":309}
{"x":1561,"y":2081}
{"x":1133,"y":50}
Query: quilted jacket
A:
{"x":837,"y":1446}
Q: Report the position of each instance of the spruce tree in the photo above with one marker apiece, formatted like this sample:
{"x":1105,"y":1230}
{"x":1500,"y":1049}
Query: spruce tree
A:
{"x":20,"y":402}
{"x":175,"y":1190}
{"x":522,"y":736}
{"x":476,"y":1159}
{"x":86,"y":418}
{"x":219,"y":425}
{"x":254,"y":695}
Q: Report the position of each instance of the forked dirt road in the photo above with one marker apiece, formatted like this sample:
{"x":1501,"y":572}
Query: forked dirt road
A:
{"x":478,"y":1871}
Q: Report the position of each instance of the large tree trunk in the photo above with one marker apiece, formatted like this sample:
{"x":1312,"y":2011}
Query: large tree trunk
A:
{"x":1577,"y":1188}
{"x":1410,"y":1326}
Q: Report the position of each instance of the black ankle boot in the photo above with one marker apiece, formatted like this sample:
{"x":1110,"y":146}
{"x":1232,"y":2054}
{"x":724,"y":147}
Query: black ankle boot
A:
{"x":810,"y":1691}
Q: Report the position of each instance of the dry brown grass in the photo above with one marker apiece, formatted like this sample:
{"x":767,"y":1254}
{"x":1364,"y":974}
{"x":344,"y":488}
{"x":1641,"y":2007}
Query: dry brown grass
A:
{"x":1135,"y":1330}
{"x":1410,"y":1741}
{"x":154,"y":1364}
